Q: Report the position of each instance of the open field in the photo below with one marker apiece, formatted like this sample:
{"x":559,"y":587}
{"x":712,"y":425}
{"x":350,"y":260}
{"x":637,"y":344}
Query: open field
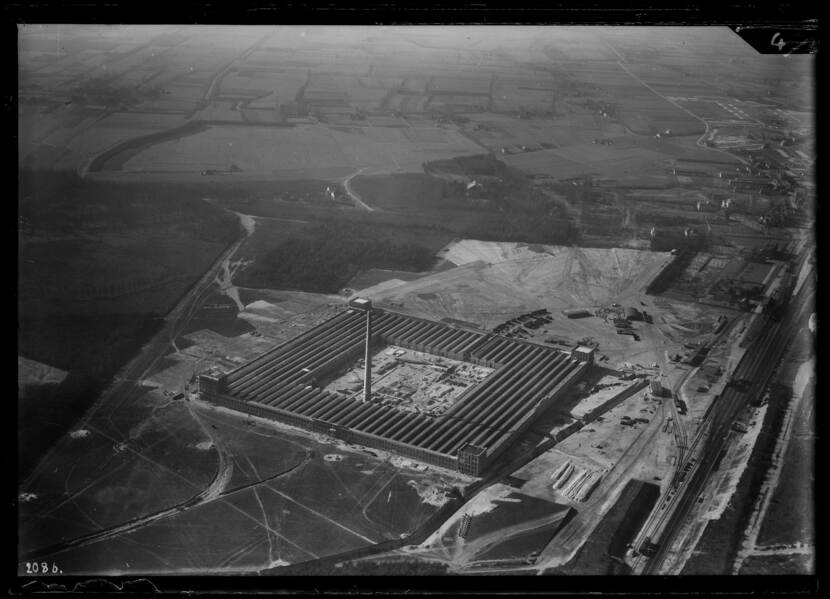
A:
{"x":588,"y":159}
{"x":120,"y":469}
{"x":779,"y":564}
{"x":276,"y":495}
{"x":166,"y":83}
{"x":299,"y":148}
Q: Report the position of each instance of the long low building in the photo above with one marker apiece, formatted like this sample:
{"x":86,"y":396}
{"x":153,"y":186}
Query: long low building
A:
{"x":284,"y":384}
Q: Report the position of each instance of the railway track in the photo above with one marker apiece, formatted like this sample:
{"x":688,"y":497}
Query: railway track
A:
{"x":712,"y":437}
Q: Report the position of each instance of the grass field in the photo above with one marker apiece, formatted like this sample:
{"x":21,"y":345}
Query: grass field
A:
{"x":104,"y":483}
{"x":296,"y":149}
{"x":416,"y":193}
{"x":283,"y":496}
{"x":585,"y":159}
{"x":98,"y":264}
{"x":777,"y":565}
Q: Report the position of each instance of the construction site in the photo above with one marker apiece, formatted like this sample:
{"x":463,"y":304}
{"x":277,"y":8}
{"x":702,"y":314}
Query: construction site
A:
{"x":457,"y":406}
{"x":414,"y":300}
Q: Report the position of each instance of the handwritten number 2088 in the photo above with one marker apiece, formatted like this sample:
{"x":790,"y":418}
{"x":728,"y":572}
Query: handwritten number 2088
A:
{"x":41,"y":568}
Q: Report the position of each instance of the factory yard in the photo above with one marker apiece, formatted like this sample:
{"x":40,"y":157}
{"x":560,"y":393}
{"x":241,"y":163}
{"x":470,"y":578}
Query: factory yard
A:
{"x":413,"y":381}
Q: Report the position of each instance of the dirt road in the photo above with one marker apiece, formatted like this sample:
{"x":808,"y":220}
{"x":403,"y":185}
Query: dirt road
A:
{"x":352,"y":194}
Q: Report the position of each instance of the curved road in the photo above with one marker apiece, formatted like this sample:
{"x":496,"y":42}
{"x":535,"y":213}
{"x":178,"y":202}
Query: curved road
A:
{"x":351,"y":192}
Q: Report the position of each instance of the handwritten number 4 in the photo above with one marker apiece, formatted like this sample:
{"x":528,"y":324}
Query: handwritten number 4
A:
{"x":779,"y":44}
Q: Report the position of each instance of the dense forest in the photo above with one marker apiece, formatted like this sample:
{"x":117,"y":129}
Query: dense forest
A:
{"x":328,"y":254}
{"x":99,"y":265}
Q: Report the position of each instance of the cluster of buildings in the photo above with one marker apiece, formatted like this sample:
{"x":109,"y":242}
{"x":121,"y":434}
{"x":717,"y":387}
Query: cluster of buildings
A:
{"x":286,"y":385}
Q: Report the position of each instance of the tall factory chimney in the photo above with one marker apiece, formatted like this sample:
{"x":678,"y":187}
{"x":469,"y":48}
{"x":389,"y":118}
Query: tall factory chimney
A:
{"x":367,"y":376}
{"x":365,"y":305}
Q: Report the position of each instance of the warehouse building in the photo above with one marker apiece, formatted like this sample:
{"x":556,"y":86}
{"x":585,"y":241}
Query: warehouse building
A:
{"x":583,"y":353}
{"x":656,"y":387}
{"x":632,"y":313}
{"x":577,"y":313}
{"x":283,"y":385}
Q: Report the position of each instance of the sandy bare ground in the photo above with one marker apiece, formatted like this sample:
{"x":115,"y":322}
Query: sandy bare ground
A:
{"x":495,"y":279}
{"x":30,"y":372}
{"x":224,"y":278}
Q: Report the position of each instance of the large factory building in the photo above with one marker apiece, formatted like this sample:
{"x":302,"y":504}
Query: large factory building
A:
{"x":286,"y":384}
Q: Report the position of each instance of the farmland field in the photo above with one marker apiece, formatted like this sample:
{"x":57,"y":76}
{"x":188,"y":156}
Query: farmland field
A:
{"x":282,"y":500}
{"x":588,"y":158}
{"x":297,"y":149}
